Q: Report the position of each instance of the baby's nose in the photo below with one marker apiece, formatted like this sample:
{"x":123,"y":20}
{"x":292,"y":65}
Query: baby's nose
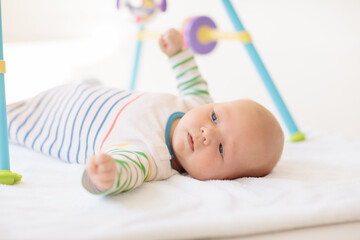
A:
{"x":206,"y":135}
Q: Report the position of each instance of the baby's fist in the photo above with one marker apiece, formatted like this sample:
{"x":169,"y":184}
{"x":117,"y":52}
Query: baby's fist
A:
{"x":171,"y":42}
{"x":101,"y":169}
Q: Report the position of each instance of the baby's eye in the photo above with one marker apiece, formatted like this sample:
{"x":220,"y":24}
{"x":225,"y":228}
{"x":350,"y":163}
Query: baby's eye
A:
{"x":214,"y":118}
{"x":221,"y":149}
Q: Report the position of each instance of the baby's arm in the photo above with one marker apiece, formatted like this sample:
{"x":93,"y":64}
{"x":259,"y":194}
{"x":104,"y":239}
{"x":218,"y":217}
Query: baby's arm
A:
{"x":116,"y":170}
{"x":190,"y":82}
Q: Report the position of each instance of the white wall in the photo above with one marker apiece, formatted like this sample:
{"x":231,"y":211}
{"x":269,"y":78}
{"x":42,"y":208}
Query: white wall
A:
{"x":311,"y":48}
{"x":40,"y":19}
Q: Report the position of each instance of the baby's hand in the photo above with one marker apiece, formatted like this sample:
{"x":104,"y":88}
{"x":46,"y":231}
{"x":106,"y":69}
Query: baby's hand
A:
{"x":171,"y":42}
{"x":101,"y":169}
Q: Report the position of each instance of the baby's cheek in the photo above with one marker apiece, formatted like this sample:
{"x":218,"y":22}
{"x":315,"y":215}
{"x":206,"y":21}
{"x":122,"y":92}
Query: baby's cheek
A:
{"x":202,"y":171}
{"x":203,"y":162}
{"x":178,"y":146}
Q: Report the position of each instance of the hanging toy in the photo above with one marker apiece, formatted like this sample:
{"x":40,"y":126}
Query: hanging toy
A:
{"x":143,"y":10}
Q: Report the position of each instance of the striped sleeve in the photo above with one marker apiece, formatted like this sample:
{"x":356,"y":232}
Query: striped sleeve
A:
{"x":189,"y":80}
{"x":133,"y":168}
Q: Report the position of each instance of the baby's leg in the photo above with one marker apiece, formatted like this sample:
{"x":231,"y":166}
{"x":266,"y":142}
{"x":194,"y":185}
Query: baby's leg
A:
{"x":38,"y":122}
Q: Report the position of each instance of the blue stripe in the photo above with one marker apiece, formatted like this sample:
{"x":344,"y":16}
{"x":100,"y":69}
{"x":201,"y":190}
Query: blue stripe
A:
{"x":82,"y":124}
{"x":61,"y":115}
{"x":54,"y":118}
{"x":28,"y":117}
{"x":73,"y":126}
{"x":40,"y":115}
{"x":68,"y":116}
{"x":52,"y":108}
{"x":107,"y":114}
{"x":93,"y":120}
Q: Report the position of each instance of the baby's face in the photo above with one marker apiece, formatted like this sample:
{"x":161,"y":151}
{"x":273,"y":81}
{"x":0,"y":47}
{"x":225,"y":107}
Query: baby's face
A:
{"x":220,"y":140}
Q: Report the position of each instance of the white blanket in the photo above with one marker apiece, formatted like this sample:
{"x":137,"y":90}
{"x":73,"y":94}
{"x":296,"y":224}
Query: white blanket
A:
{"x":316,"y":182}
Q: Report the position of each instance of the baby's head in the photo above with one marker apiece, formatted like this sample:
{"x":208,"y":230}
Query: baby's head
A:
{"x":227,"y":141}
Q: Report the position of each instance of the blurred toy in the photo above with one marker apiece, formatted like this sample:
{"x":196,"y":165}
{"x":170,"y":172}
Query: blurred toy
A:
{"x":142,"y":12}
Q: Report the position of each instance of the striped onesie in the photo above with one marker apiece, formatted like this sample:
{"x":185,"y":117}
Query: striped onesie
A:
{"x":73,"y":122}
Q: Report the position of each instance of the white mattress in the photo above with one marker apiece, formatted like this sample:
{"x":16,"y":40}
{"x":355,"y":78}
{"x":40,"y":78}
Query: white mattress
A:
{"x":315,"y":183}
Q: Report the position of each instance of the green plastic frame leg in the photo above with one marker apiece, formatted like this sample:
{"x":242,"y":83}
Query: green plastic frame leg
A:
{"x":297,"y":137}
{"x":9,"y":178}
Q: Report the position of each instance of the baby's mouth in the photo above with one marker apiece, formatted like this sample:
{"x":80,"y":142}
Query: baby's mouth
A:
{"x":191,"y":142}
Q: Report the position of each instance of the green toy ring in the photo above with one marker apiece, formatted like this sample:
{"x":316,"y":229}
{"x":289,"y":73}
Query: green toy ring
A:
{"x":9,"y":178}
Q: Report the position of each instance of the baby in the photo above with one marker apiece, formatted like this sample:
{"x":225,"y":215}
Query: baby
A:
{"x":127,"y":138}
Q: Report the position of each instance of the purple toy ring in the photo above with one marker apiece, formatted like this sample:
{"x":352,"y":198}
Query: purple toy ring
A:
{"x":191,"y":33}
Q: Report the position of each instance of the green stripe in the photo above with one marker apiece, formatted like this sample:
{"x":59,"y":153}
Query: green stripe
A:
{"x":122,"y":186}
{"x":117,"y":187}
{"x":119,"y":176}
{"x":130,"y":180}
{"x":139,"y":163}
{"x":189,"y":81}
{"x":192,"y":85}
{"x":123,"y":164}
{"x":197,"y":92}
{"x":137,"y":178}
{"x":144,"y":155}
{"x":186,"y":71}
{"x":127,"y":169}
{"x":136,"y":163}
{"x":131,"y":188}
{"x":181,"y":63}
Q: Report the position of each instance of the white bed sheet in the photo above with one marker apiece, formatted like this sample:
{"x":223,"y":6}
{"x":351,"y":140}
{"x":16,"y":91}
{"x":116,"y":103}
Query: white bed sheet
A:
{"x":315,"y":183}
